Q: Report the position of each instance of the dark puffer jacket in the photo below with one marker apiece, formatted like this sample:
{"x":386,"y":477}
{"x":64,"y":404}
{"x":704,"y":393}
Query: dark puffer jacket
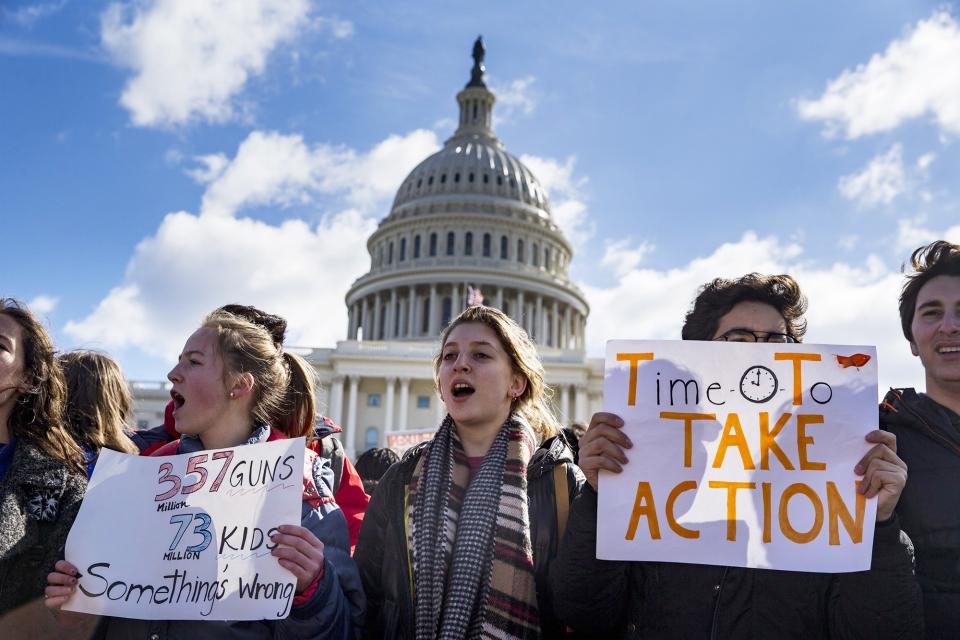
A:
{"x":667,"y":600}
{"x":39,"y":500}
{"x":928,"y":440}
{"x":384,"y":561}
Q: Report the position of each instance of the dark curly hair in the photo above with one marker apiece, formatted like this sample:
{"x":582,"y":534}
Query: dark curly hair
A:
{"x":716,"y":298}
{"x":38,"y":415}
{"x":940,"y":258}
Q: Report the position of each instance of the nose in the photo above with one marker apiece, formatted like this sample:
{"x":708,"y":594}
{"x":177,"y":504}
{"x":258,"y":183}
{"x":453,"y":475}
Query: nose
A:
{"x":951,"y":322}
{"x":461,"y":364}
{"x":174,"y":374}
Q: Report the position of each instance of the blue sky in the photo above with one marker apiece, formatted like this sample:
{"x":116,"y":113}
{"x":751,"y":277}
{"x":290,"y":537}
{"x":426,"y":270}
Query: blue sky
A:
{"x":161,"y":158}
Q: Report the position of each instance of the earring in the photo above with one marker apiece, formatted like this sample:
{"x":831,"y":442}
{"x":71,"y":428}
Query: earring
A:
{"x":231,"y":395}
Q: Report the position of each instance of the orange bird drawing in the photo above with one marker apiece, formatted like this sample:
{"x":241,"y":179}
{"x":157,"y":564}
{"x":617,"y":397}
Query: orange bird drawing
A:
{"x":856,"y":360}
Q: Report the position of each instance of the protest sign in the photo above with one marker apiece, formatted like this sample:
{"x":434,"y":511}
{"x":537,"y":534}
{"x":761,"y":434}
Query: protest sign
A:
{"x":743,"y":455}
{"x":187,"y":537}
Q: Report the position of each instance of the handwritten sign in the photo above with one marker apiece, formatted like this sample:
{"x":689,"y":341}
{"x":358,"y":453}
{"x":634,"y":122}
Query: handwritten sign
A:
{"x":743,"y":455}
{"x":400,"y":441}
{"x":187,"y":537}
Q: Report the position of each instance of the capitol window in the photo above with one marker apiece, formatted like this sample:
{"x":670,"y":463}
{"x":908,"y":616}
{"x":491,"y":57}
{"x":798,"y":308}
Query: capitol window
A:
{"x":433,"y":244}
{"x":423,"y":402}
{"x":390,"y":253}
{"x":519,"y":250}
{"x":443,"y":178}
{"x":468,"y":244}
{"x":536,"y":254}
{"x":371,"y":438}
{"x":503,"y":247}
{"x":373,"y":399}
{"x":450,"y":242}
{"x":403,"y":249}
{"x":456,"y":177}
{"x":486,"y":245}
{"x":416,"y":247}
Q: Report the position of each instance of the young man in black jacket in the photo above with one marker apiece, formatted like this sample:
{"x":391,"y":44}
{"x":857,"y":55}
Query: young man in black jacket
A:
{"x":927,"y":426}
{"x":673,"y":600}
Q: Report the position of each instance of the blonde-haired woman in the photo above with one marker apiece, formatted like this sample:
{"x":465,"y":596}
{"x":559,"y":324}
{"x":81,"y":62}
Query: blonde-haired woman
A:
{"x":230,"y":378}
{"x":457,"y":541}
{"x":99,"y":404}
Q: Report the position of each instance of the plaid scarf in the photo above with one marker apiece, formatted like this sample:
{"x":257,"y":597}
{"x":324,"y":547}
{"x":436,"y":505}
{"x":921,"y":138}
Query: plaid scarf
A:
{"x":472,"y":555}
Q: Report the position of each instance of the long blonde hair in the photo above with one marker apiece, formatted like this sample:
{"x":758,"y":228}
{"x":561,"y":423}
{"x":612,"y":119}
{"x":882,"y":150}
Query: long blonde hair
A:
{"x":533,"y":403}
{"x":99,"y":402}
{"x":284,"y":383}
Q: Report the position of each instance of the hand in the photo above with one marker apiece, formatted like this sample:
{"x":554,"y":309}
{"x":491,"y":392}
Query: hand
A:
{"x":601,"y":447}
{"x":61,"y":584}
{"x":884,"y":473}
{"x":300,"y":552}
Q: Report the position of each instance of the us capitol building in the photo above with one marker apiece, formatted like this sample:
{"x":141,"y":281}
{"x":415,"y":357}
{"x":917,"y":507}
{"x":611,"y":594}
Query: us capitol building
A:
{"x":471,"y":220}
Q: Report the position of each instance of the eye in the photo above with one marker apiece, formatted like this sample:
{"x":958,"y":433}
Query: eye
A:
{"x":196,"y":362}
{"x":449,"y":355}
{"x":481,"y":355}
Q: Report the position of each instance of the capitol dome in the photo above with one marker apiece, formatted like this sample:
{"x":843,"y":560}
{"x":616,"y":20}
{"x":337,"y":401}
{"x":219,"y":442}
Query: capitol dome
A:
{"x":469,"y":219}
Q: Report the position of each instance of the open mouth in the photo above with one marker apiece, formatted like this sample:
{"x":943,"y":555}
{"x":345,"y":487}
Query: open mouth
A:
{"x":461,"y":390}
{"x":178,"y":399}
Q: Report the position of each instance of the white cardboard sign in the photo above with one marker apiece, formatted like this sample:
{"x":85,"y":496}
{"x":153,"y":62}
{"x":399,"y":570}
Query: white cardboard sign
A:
{"x":743,"y":455}
{"x":187,"y":537}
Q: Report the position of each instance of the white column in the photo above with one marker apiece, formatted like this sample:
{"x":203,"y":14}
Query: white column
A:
{"x":388,"y":405}
{"x":580,"y":405}
{"x":520,"y":314}
{"x":375,"y":334}
{"x":412,"y":313}
{"x":404,"y":396}
{"x":365,"y":320}
{"x":336,"y":399}
{"x":433,"y":311}
{"x":566,"y":326}
{"x":555,"y":326}
{"x":565,"y":404}
{"x":455,"y":307}
{"x":391,"y":331}
{"x":351,"y":431}
{"x":351,"y":319}
{"x":500,"y":298}
{"x":538,"y":321}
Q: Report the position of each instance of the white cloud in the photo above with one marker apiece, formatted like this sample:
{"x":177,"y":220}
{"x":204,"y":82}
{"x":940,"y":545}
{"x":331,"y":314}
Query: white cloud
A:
{"x":911,"y":233}
{"x":42,"y":305}
{"x":566,"y":192}
{"x":276,"y":169}
{"x":880,"y":182}
{"x":190,"y":59}
{"x":29,"y":15}
{"x":918,"y":75}
{"x":622,"y":256}
{"x":338,"y":28}
{"x":194,"y":263}
{"x":849,"y":304}
{"x":515,"y":97}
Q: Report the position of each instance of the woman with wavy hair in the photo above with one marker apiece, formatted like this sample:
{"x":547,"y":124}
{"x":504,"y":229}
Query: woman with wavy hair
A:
{"x":229,"y":380}
{"x":458,"y":538}
{"x":99,"y":404}
{"x":41,"y":473}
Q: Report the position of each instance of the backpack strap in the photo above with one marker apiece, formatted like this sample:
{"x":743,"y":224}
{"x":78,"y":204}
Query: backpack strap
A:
{"x":332,"y":449}
{"x":561,"y":493}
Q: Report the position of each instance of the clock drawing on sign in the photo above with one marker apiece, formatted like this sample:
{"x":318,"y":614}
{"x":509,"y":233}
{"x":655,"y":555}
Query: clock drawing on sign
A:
{"x":758,"y":384}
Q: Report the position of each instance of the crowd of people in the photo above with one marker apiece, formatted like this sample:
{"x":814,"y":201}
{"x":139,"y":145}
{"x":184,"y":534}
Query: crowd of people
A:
{"x":489,"y":529}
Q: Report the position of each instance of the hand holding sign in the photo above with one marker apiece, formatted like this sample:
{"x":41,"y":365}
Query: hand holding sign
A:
{"x":601,"y":447}
{"x":884,"y":473}
{"x":299,"y":551}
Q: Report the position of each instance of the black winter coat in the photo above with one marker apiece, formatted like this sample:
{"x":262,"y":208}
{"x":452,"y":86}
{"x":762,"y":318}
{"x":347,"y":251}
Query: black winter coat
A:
{"x":928,"y":440}
{"x":384,"y":561}
{"x":670,"y":600}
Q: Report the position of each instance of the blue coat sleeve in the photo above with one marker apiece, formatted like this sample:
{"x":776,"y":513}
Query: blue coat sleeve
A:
{"x":337,"y":608}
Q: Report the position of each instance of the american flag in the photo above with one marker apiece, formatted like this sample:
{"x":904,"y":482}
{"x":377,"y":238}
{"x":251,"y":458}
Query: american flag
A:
{"x":474,"y":297}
